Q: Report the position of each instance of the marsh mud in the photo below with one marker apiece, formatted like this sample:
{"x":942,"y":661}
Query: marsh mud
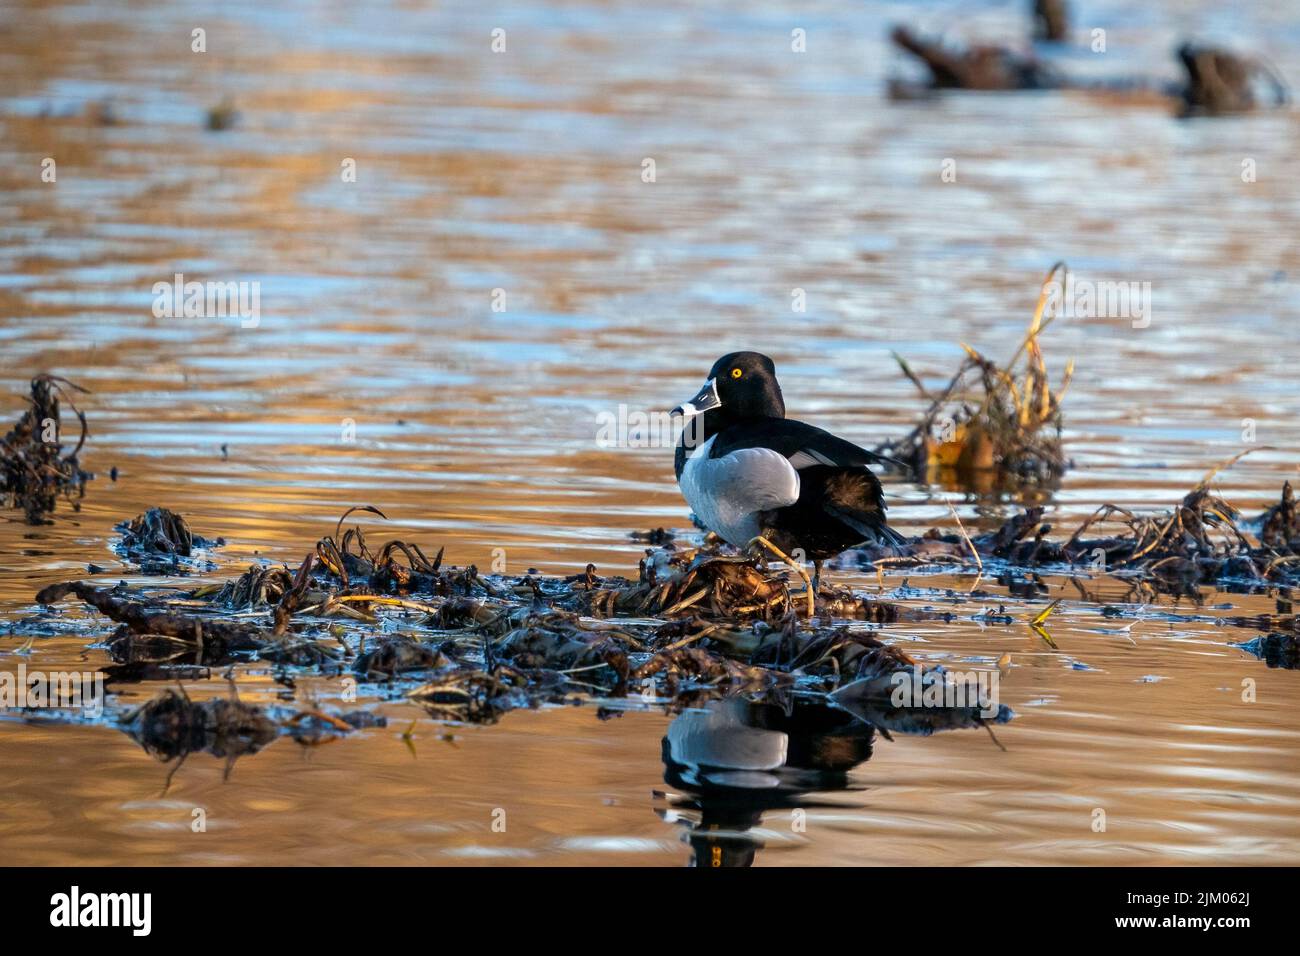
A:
{"x":379,"y":373}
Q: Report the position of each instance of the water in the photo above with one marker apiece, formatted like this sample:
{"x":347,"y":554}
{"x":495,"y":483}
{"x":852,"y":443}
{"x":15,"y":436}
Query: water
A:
{"x":474,"y":429}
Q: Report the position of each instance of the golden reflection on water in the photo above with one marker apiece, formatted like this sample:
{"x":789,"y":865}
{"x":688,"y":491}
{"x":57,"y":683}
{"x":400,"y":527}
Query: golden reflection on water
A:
{"x":476,"y":429}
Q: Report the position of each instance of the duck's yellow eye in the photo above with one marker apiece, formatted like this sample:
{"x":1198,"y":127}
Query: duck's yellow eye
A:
{"x":736,"y":373}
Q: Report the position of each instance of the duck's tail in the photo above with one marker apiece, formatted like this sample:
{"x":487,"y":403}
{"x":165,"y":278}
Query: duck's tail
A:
{"x":871,"y":526}
{"x":885,"y":535}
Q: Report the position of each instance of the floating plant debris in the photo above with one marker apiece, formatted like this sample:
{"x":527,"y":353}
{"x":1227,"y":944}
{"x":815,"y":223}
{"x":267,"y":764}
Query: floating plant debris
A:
{"x":1280,"y":526}
{"x":223,"y":116}
{"x":158,"y":531}
{"x":1051,"y":20}
{"x":981,"y":67}
{"x":171,"y":726}
{"x":143,"y":617}
{"x":1200,"y":541}
{"x":1220,"y":82}
{"x":1276,"y":650}
{"x":35,"y":468}
{"x":656,"y":536}
{"x":698,"y":624}
{"x":258,"y":587}
{"x":468,"y":647}
{"x":161,"y":542}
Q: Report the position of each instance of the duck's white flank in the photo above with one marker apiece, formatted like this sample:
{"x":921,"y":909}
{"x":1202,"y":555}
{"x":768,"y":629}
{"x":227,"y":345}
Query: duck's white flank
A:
{"x":728,"y":493}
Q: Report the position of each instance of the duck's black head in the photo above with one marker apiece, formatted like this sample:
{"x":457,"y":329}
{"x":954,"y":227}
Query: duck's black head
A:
{"x":741,"y":386}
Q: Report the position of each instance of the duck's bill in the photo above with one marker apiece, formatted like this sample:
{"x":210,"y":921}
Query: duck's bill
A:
{"x":706,"y":398}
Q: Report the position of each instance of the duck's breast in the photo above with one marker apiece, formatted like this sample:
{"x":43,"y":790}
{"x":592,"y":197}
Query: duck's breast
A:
{"x":729,"y":493}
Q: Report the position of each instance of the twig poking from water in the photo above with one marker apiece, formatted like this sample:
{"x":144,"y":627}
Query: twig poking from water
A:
{"x":1228,"y":463}
{"x":962,"y":528}
{"x":1046,"y":612}
{"x":989,"y":728}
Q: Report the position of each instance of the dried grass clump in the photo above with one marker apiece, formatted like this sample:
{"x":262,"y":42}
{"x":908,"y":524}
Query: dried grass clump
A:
{"x":992,"y":426}
{"x":1201,"y":540}
{"x":692,"y":582}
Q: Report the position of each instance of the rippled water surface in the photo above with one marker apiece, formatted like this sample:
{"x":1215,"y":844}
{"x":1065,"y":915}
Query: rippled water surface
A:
{"x":476,"y":429}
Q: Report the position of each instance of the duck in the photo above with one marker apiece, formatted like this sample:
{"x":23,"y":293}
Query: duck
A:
{"x":753,"y":476}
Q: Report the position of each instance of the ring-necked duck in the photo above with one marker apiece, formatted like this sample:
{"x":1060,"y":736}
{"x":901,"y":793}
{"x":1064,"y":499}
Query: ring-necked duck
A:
{"x":748,"y":472}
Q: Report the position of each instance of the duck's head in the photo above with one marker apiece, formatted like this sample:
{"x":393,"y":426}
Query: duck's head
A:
{"x":741,"y":385}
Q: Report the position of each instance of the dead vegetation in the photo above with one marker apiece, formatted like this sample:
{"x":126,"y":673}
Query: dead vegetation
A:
{"x":161,"y":542}
{"x":980,"y":67}
{"x":1221,"y":82}
{"x":1202,"y":540}
{"x":1280,"y":526}
{"x":158,"y":531}
{"x":470,"y":648}
{"x":36,"y":467}
{"x":1276,"y":650}
{"x":690,"y":582}
{"x":171,"y":726}
{"x":1218,"y":81}
{"x":992,"y":425}
{"x":696,"y":624}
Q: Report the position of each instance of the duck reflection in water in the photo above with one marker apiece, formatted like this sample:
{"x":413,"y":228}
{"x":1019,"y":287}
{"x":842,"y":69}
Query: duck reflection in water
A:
{"x":734,"y":760}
